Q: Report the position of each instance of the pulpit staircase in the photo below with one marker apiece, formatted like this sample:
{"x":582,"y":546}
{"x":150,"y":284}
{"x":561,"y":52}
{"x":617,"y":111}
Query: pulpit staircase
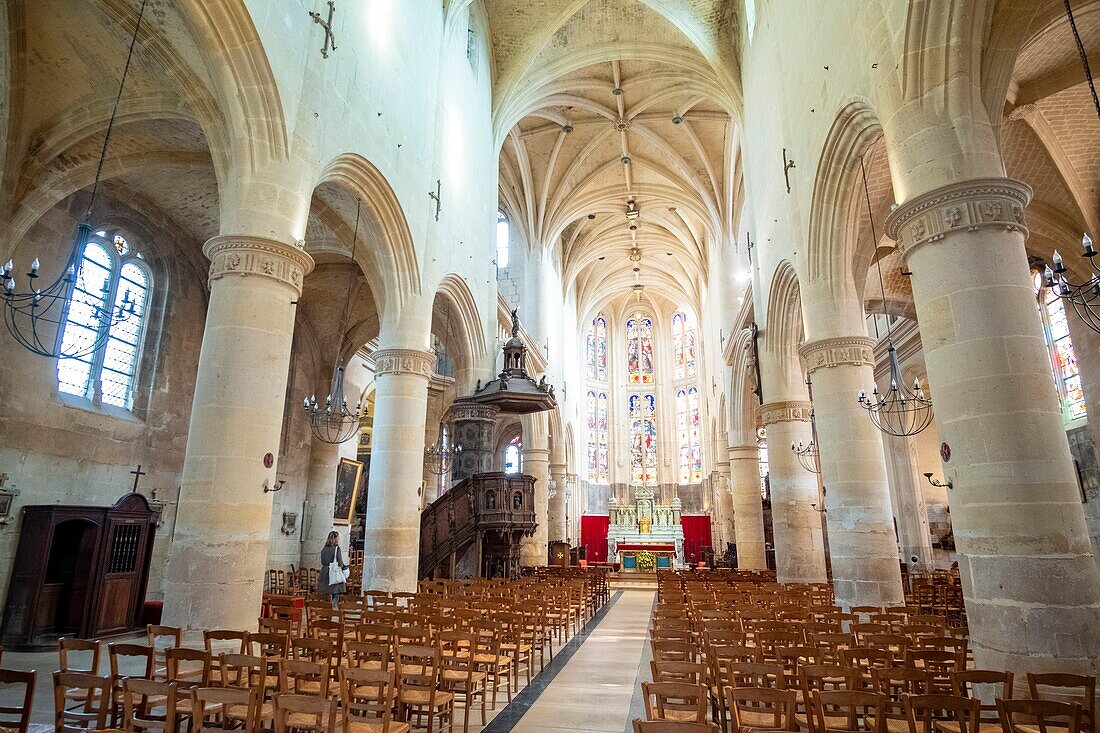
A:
{"x":475,"y":528}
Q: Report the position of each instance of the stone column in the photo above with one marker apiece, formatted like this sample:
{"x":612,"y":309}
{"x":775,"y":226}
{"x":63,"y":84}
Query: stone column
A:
{"x":216,"y":571}
{"x":862,"y":545}
{"x":391,"y":532}
{"x":796,"y":503}
{"x":324,"y":458}
{"x":555,"y":508}
{"x":534,"y":550}
{"x":1030,"y":583}
{"x":910,"y":508}
{"x":747,"y":507}
{"x":723,"y":507}
{"x":472,"y":428}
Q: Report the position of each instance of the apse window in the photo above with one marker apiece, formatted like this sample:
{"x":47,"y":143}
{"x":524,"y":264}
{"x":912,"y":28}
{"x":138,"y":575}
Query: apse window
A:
{"x":513,"y":462}
{"x":502,"y":240}
{"x":112,"y":273}
{"x":1063,"y":357}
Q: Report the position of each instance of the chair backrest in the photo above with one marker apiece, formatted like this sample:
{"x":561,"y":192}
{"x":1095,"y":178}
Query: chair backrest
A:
{"x":66,"y":646}
{"x":671,"y":671}
{"x":118,"y":651}
{"x":322,"y":651}
{"x":826,"y":677}
{"x":754,"y":674}
{"x":675,"y":701}
{"x":92,"y":714}
{"x":970,"y":683}
{"x":235,"y":642}
{"x":188,"y":667}
{"x":225,"y":708}
{"x":1081,"y":687}
{"x":367,"y":654}
{"x":925,"y":711}
{"x":766,"y":701}
{"x":322,"y":710}
{"x":284,"y":626}
{"x":677,"y":651}
{"x":243,"y":670}
{"x":162,"y":637}
{"x":367,"y":696}
{"x":141,"y":697}
{"x":847,"y":711}
{"x":268,"y":645}
{"x":1066,"y":716}
{"x":417,"y":667}
{"x":300,"y":677}
{"x":17,"y":717}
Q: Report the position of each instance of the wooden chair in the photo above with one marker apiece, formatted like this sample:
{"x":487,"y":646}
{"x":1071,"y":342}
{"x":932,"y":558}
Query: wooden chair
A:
{"x":418,"y":691}
{"x":188,"y":669}
{"x":675,"y":701}
{"x":847,"y":711}
{"x":320,"y":651}
{"x":674,"y":651}
{"x":92,"y":714}
{"x":283,"y":626}
{"x":67,"y":646}
{"x":16,"y":718}
{"x":692,"y":673}
{"x":967,"y":683}
{"x":367,"y":697}
{"x":301,"y":677}
{"x":1082,"y":687}
{"x":761,"y":709}
{"x":304,"y":712}
{"x":896,"y":684}
{"x":268,"y":645}
{"x":460,"y":675}
{"x":1040,"y":715}
{"x":367,"y":654}
{"x":121,"y":655}
{"x":148,"y":705}
{"x":161,"y":638}
{"x":491,"y":660}
{"x":927,"y":713}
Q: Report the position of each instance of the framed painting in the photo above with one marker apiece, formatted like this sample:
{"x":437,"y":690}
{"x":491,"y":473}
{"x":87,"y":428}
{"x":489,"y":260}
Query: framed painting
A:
{"x":348,"y":475}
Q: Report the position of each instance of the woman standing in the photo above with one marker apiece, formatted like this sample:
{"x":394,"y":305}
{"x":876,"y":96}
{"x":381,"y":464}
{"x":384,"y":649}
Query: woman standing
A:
{"x":330,"y":553}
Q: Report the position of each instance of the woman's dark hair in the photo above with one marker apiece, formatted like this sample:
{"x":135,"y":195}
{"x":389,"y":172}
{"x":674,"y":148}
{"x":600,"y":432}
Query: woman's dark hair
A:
{"x":333,"y":539}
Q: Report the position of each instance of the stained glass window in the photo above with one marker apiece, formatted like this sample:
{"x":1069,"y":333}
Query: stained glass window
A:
{"x":762,"y":459}
{"x":592,"y":438}
{"x":690,"y":440}
{"x":639,"y":349}
{"x":111,"y":273}
{"x":603,"y":469}
{"x":643,"y":439}
{"x":1063,"y":357}
{"x":513,"y":462}
{"x":683,"y":346}
{"x":595,"y":356}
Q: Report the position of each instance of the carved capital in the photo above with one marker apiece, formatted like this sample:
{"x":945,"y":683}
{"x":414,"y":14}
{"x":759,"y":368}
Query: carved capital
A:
{"x":785,"y":411}
{"x":256,"y":256}
{"x":841,"y":351}
{"x":462,"y":411}
{"x":403,"y":361}
{"x":743,"y":453}
{"x":968,"y":206}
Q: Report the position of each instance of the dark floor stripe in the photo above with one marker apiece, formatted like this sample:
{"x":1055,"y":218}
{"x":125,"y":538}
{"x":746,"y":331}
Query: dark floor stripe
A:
{"x":526,"y":697}
{"x":637,"y":703}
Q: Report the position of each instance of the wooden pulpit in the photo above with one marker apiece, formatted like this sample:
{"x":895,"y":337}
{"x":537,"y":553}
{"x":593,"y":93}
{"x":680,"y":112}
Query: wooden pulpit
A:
{"x":79,"y":571}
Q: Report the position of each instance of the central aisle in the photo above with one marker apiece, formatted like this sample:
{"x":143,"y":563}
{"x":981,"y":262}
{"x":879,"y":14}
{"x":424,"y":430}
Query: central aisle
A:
{"x":595,"y":689}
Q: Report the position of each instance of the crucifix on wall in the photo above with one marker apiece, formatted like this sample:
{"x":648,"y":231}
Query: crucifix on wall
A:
{"x":137,"y":473}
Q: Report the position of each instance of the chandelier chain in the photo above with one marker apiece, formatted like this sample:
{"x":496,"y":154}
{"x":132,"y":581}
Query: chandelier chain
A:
{"x":1084,"y":56}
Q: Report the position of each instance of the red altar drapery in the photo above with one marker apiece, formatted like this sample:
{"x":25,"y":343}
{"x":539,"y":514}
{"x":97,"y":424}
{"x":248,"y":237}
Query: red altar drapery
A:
{"x":594,"y":536}
{"x":696,"y":535}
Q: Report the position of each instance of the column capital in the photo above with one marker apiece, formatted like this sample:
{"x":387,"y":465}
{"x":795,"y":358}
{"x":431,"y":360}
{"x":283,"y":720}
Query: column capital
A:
{"x":536,"y":454}
{"x":557,"y":468}
{"x":966,"y":206}
{"x":785,"y":411}
{"x":403,"y":361}
{"x":234,"y":254}
{"x":840,"y":351}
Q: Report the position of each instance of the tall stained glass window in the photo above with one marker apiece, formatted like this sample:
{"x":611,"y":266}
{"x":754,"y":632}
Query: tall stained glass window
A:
{"x":596,"y":350}
{"x":639,"y":349}
{"x":111,"y":272}
{"x":762,"y":461}
{"x":603,"y":466}
{"x":1063,"y":357}
{"x":643,"y":439}
{"x":683,"y":346}
{"x":690,"y":440}
{"x":592,"y":437}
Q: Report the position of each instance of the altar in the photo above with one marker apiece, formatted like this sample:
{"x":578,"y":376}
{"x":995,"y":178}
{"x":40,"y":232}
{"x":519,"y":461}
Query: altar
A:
{"x":646,"y":535}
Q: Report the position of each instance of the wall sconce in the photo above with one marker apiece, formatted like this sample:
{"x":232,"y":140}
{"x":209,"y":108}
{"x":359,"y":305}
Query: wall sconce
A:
{"x":290,"y":523}
{"x":939,"y":484}
{"x":278,"y":485}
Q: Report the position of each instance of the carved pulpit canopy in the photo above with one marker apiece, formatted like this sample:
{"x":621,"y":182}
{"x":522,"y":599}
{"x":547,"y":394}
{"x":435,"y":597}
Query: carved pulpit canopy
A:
{"x":513,"y":391}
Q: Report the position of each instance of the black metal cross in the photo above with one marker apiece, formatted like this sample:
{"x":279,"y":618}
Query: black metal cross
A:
{"x":437,"y":196}
{"x":137,"y":474}
{"x":787,"y":165}
{"x":330,"y":39}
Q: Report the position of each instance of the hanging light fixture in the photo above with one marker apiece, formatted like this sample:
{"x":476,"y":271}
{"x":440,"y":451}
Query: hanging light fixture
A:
{"x":440,"y":456}
{"x":808,"y":454}
{"x":901,"y":411}
{"x":333,"y":422}
{"x":1084,"y":297}
{"x":36,"y":318}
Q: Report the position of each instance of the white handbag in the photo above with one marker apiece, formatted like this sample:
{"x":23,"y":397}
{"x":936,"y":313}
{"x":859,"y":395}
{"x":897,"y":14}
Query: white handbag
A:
{"x":336,"y":572}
